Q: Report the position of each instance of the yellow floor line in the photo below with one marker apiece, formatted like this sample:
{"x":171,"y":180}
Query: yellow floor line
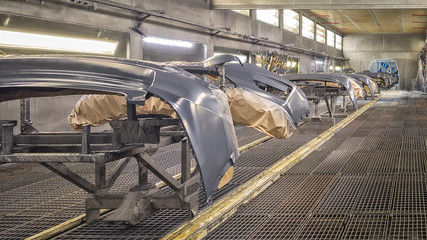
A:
{"x":254,"y":143}
{"x":220,"y":211}
{"x":61,"y":227}
{"x":80,"y":219}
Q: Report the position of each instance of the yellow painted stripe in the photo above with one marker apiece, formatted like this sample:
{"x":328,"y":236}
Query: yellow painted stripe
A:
{"x":252,"y":144}
{"x":61,"y":227}
{"x":219,"y":212}
{"x":80,"y":219}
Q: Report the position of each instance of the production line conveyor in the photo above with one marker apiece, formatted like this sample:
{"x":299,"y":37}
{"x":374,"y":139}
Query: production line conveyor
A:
{"x":367,"y":182}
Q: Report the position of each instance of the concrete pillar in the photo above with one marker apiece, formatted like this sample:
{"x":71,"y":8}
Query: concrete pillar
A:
{"x":281,"y":25}
{"x":135,"y":46}
{"x":252,"y":14}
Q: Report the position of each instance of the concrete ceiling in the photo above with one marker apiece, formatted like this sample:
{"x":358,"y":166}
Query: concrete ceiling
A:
{"x":372,"y":21}
{"x":349,"y":16}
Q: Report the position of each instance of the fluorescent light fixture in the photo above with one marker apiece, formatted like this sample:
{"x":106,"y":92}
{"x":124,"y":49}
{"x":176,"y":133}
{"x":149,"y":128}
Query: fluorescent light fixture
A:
{"x":319,"y":62}
{"x":64,"y":44}
{"x":337,"y":68}
{"x":168,"y":42}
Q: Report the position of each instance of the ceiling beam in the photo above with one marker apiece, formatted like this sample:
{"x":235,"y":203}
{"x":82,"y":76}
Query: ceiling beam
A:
{"x":351,"y":20}
{"x":399,"y":17}
{"x":317,"y":4}
{"x":375,"y":20}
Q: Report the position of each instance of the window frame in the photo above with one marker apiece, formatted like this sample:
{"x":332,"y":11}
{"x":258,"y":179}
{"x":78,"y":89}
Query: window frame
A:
{"x":328,"y":38}
{"x":288,"y":27}
{"x":312,"y":27}
{"x":276,"y":24}
{"x":324,"y":34}
{"x":242,"y":12}
{"x":336,"y":45}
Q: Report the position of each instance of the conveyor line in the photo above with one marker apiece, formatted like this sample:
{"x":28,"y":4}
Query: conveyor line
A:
{"x":155,"y":227}
{"x":251,"y":162}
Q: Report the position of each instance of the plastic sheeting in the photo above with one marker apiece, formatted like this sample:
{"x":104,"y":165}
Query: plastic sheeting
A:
{"x":96,"y":110}
{"x":251,"y":110}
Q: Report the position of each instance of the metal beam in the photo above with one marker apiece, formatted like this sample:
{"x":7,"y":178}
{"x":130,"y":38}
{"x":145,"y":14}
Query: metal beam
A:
{"x":117,"y":170}
{"x":316,"y":4}
{"x":158,"y":170}
{"x":375,"y":20}
{"x":66,"y":173}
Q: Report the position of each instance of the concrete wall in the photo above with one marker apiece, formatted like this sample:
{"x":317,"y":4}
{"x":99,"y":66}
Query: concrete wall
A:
{"x":106,"y":22}
{"x":403,"y":48}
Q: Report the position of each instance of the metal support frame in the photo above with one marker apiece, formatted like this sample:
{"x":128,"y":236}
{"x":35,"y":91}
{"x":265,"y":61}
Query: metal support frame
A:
{"x":316,"y":93}
{"x":215,"y":33}
{"x":130,"y":139}
{"x":7,"y":136}
{"x":344,"y":105}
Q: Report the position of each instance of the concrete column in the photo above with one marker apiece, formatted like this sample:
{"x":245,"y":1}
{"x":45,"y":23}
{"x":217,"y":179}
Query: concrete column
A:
{"x":252,"y":14}
{"x":281,"y":25}
{"x":135,"y":46}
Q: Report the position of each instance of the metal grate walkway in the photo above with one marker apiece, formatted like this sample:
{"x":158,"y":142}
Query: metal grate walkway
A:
{"x":34,"y":199}
{"x":367,"y":182}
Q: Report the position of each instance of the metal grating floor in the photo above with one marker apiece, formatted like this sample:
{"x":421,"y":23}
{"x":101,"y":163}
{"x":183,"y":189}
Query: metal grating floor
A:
{"x":367,"y":182}
{"x":34,"y":199}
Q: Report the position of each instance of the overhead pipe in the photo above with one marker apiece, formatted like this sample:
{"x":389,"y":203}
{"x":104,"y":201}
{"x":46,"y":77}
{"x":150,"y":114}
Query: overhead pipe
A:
{"x":251,"y":39}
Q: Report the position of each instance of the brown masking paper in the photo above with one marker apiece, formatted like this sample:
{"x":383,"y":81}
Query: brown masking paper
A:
{"x":251,"y":110}
{"x":98,"y":109}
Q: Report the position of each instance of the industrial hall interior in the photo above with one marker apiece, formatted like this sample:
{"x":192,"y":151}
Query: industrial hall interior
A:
{"x":213,"y":119}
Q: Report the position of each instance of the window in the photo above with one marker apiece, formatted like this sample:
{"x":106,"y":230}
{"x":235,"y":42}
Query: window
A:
{"x":320,"y":34}
{"x":330,"y":38}
{"x":338,"y":42}
{"x":307,"y":28}
{"x":270,"y":16}
{"x":243,"y":12}
{"x":292,"y":66}
{"x":320,"y":66}
{"x":291,"y":20}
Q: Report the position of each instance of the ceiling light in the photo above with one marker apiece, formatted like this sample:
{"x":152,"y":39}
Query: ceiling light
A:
{"x":168,"y":42}
{"x":64,"y":44}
